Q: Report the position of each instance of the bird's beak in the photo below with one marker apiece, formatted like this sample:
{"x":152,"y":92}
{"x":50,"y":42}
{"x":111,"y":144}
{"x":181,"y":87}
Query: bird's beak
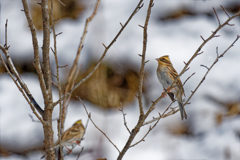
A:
{"x":157,"y":59}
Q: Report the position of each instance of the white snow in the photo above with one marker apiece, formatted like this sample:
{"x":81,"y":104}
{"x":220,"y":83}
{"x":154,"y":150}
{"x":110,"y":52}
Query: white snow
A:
{"x":177,"y":38}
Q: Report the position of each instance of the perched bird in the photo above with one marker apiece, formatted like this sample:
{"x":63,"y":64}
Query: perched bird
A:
{"x":72,"y":136}
{"x":166,"y":75}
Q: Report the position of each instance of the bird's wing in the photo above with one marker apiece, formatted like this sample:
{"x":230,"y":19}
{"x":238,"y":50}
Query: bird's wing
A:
{"x":71,"y":133}
{"x":174,"y":75}
{"x":171,"y":95}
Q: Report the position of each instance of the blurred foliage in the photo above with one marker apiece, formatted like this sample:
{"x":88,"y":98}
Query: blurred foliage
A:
{"x":232,"y":109}
{"x":180,"y":129}
{"x":21,"y":66}
{"x":183,"y":11}
{"x":109,"y":86}
{"x":72,"y":9}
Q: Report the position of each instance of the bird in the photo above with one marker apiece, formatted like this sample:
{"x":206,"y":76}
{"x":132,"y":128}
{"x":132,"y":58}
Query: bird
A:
{"x":72,"y":136}
{"x":166,"y":75}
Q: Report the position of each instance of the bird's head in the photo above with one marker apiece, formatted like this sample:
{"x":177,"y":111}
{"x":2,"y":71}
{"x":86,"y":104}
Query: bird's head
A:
{"x":164,"y":60}
{"x":78,"y":122}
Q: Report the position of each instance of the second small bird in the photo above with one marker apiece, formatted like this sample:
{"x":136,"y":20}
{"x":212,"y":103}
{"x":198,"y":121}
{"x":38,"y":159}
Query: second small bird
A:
{"x":166,"y":75}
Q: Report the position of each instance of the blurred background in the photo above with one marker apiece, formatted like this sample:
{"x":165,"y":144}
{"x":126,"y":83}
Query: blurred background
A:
{"x":212,"y":129}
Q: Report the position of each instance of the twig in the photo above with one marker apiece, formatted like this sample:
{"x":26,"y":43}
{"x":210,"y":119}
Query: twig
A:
{"x":103,"y":55}
{"x":188,"y":78}
{"x":204,"y":66}
{"x":6,"y":34}
{"x":124,"y":119}
{"x":216,"y":16}
{"x":89,"y":116}
{"x":33,"y":120}
{"x":61,"y":3}
{"x":79,"y":153}
{"x":150,"y":128}
{"x":62,"y":66}
{"x":162,"y":116}
{"x":225,"y":11}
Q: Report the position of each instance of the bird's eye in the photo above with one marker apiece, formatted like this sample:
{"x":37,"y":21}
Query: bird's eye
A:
{"x":163,"y":58}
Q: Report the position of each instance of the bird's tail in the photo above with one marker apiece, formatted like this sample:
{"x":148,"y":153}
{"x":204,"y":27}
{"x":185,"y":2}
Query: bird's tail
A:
{"x":182,"y":111}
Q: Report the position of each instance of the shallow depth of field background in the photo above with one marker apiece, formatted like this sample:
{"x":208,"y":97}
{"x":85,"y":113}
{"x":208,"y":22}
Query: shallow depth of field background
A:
{"x":212,"y":129}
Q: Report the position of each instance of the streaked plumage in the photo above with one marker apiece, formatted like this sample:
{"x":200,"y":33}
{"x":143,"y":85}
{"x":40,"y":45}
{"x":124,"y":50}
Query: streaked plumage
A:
{"x":166,"y":75}
{"x":73,"y":135}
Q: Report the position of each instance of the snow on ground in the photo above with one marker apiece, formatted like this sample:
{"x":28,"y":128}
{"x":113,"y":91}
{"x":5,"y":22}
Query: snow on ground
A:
{"x":177,"y":38}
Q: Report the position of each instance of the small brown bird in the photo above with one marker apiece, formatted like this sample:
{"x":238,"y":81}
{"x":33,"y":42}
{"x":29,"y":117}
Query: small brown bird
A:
{"x":166,"y":75}
{"x":72,"y":136}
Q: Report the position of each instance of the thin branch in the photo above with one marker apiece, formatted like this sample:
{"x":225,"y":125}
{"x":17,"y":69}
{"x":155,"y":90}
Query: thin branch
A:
{"x":150,"y":128}
{"x":6,"y":34}
{"x":35,"y":47}
{"x":204,"y":66}
{"x":103,"y":55}
{"x":19,"y":82}
{"x":73,"y":69}
{"x":142,"y":116}
{"x":141,"y":72}
{"x":75,"y":63}
{"x":216,"y":16}
{"x":89,"y":116}
{"x":60,"y":129}
{"x":23,"y":91}
{"x":188,"y":78}
{"x":124,"y":119}
{"x":79,"y":153}
{"x":225,"y":11}
{"x":162,"y":116}
{"x":61,"y":3}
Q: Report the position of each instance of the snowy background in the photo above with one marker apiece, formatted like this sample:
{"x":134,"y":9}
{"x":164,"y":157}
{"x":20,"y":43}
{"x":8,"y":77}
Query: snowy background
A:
{"x":178,"y":38}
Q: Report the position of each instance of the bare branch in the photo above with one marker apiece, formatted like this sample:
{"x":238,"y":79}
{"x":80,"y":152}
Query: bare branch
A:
{"x":204,"y":66}
{"x":141,"y":72}
{"x":103,"y":55}
{"x":75,"y":63}
{"x":225,"y":11}
{"x":217,"y":16}
{"x":124,"y":119}
{"x":142,"y":117}
{"x":79,"y":153}
{"x":35,"y":47}
{"x":150,"y":128}
{"x":203,"y":39}
{"x":162,"y":116}
{"x":61,"y":3}
{"x":20,"y":83}
{"x":188,"y":78}
{"x":6,"y":35}
{"x":89,"y":116}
